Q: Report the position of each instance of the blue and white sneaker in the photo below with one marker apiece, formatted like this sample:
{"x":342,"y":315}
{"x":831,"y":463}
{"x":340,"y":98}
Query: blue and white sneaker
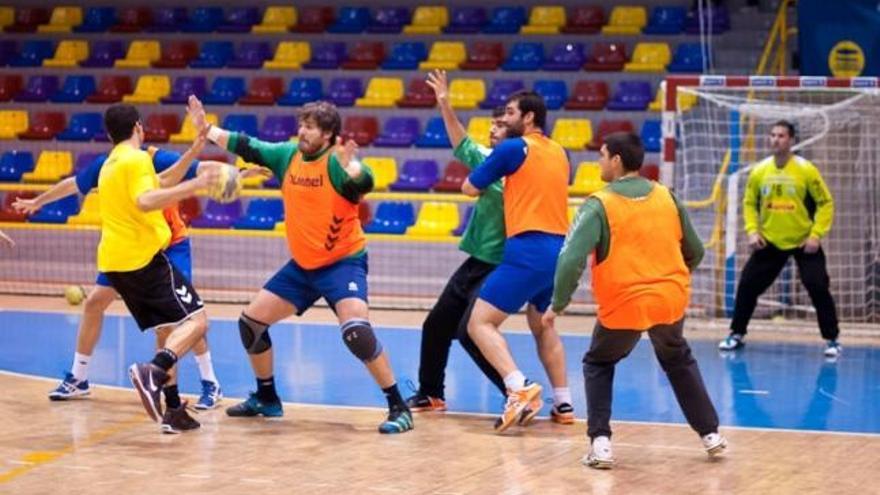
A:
{"x":70,"y":388}
{"x":211,"y":396}
{"x":732,"y":342}
{"x":832,"y":349}
{"x":398,"y":421}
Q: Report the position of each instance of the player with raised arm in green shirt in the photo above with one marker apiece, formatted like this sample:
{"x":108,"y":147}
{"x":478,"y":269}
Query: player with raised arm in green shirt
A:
{"x":483,"y":240}
{"x":787,"y":209}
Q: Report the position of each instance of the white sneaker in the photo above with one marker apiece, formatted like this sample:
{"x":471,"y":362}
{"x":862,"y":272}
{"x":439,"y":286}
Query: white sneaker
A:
{"x":832,"y":349}
{"x":714,"y":443}
{"x":600,"y":455}
{"x":732,"y":342}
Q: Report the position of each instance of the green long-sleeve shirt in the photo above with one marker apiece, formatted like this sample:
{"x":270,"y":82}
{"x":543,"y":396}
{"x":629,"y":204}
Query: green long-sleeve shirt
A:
{"x":590,"y":233}
{"x":485,"y":235}
{"x":277,"y":156}
{"x":789,"y":204}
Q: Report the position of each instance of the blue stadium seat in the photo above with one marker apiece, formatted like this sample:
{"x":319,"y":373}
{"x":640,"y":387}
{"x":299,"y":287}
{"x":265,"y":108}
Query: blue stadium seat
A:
{"x":75,"y":90}
{"x":214,"y":54}
{"x":554,"y":91}
{"x":417,"y":175}
{"x":566,"y":56}
{"x":688,"y":57}
{"x":239,"y":20}
{"x":666,"y":20}
{"x":466,"y":20}
{"x":392,"y":218}
{"x":406,"y":56}
{"x":13,"y":164}
{"x":651,"y":135}
{"x":56,"y":211}
{"x":343,"y":91}
{"x":32,"y":53}
{"x":302,"y":91}
{"x":435,"y":135}
{"x":225,"y":91}
{"x":241,"y":122}
{"x":168,"y":19}
{"x":97,"y":20}
{"x":524,"y":57}
{"x":261,"y":214}
{"x":83,"y":127}
{"x":203,"y":20}
{"x":351,"y":20}
{"x":506,"y":20}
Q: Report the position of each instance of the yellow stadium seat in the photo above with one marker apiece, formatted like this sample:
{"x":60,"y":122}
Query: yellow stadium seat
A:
{"x":381,"y":92}
{"x":436,"y":218}
{"x":572,"y":211}
{"x":572,"y":134}
{"x":276,"y":19}
{"x":428,"y":19}
{"x":478,"y":129}
{"x":546,"y":19}
{"x":51,"y":167}
{"x":7,"y":16}
{"x":68,"y":54}
{"x":279,"y":227}
{"x":62,"y":20}
{"x":89,"y":212}
{"x":649,"y":57}
{"x":253,"y":182}
{"x":626,"y":20}
{"x":290,"y":55}
{"x":188,"y":132}
{"x":12,"y":122}
{"x":149,"y":89}
{"x":384,"y":171}
{"x":587,"y":179}
{"x":445,"y":55}
{"x":466,"y":93}
{"x":686,"y":101}
{"x":141,"y":53}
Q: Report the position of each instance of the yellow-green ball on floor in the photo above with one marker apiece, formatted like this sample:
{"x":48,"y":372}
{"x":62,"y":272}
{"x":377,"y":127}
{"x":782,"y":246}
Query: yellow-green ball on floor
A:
{"x":75,"y":294}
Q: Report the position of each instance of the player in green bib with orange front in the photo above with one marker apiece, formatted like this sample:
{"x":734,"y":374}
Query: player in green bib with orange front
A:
{"x":321,"y":187}
{"x":787,"y":209}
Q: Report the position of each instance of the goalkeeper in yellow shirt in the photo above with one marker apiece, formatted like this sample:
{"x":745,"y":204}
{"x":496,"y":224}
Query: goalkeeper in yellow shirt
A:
{"x":787,"y":209}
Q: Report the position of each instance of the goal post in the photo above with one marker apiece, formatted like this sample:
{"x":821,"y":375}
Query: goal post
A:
{"x":715,"y":130}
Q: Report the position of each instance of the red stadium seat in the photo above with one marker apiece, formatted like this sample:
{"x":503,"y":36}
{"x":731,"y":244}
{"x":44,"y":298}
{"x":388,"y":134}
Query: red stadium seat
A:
{"x":263,"y":91}
{"x":606,"y":57}
{"x":453,"y":177}
{"x":585,"y":19}
{"x":418,"y":95}
{"x":365,"y":55}
{"x":44,"y":125}
{"x":111,"y":89}
{"x":7,"y":212}
{"x":360,"y":128}
{"x":650,"y":171}
{"x":607,"y":127}
{"x":10,"y":85}
{"x":484,"y":55}
{"x":588,"y":95}
{"x":313,"y":20}
{"x":177,"y":54}
{"x":190,"y":208}
{"x":364,"y":213}
{"x":160,"y":126}
{"x":132,"y":19}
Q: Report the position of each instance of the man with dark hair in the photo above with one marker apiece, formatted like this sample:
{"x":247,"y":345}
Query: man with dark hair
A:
{"x":536,"y":219}
{"x":787,"y":210}
{"x":644,"y":248}
{"x":322,"y":185}
{"x":134,"y":236}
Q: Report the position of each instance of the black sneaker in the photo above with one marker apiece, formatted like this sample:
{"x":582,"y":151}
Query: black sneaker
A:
{"x":422,"y":403}
{"x":177,"y":420}
{"x":148,"y":379}
{"x":254,"y":407}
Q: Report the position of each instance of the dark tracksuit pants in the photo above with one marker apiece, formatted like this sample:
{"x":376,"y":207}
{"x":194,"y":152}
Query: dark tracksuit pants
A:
{"x":610,"y":346}
{"x":448,"y":320}
{"x":761,"y":270}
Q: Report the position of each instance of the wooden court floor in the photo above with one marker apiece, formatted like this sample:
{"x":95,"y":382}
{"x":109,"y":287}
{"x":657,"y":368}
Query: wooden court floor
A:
{"x":106,"y":445}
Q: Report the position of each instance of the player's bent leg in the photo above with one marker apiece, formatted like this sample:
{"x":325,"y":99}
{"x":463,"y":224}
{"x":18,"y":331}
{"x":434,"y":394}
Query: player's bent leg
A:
{"x":75,"y":384}
{"x":552,"y":355}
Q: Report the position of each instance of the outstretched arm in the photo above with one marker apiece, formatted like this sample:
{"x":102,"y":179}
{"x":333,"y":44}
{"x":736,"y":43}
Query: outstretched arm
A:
{"x":454,"y":128}
{"x":60,"y":190}
{"x":175,"y":173}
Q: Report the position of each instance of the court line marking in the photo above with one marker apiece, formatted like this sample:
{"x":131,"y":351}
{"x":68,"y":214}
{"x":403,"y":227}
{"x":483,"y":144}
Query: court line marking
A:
{"x":753,"y":392}
{"x":833,"y":397}
{"x":488,"y":415}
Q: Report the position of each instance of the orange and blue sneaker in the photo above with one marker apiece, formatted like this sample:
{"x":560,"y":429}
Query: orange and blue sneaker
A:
{"x":562,"y":413}
{"x":398,"y":421}
{"x":424,"y":403}
{"x":531,"y":410}
{"x":254,"y":407}
{"x":516,"y":403}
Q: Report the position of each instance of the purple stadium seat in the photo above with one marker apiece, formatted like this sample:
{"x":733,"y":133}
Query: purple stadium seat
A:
{"x":218,"y":216}
{"x":719,"y":19}
{"x":83,"y":160}
{"x":239,"y":20}
{"x":8,"y":50}
{"x":104,"y":54}
{"x":466,"y":20}
{"x":278,"y":128}
{"x":630,"y":95}
{"x":203,"y":20}
{"x":566,"y":56}
{"x":184,"y":87}
{"x":326,"y":55}
{"x":168,"y":19}
{"x":251,"y":55}
{"x":388,"y":20}
{"x":399,"y":132}
{"x":417,"y":175}
{"x":343,"y":91}
{"x":38,"y":89}
{"x":465,"y":220}
{"x":500,"y":90}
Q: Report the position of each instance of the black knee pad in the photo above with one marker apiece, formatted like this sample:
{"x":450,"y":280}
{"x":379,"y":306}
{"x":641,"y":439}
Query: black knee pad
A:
{"x":254,"y":335}
{"x":361,"y":341}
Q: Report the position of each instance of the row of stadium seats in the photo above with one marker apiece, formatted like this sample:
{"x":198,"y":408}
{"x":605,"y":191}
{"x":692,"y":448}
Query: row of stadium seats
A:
{"x":363,"y":55}
{"x":416,"y":175}
{"x":542,"y":19}
{"x":379,"y":92}
{"x":395,"y":132}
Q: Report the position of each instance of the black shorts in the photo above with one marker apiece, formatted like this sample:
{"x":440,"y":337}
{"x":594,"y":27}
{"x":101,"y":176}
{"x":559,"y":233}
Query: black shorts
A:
{"x":157,"y":295}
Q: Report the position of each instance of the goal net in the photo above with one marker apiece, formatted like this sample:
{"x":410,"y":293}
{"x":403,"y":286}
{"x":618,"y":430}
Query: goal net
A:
{"x":716,"y":129}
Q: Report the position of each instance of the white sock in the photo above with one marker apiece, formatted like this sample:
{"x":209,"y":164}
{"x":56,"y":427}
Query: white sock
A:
{"x":206,"y":369}
{"x":80,"y":368}
{"x":561,"y":395}
{"x":515,"y":381}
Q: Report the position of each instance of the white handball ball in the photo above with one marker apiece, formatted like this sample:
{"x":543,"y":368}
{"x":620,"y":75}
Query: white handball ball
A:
{"x":228,"y":188}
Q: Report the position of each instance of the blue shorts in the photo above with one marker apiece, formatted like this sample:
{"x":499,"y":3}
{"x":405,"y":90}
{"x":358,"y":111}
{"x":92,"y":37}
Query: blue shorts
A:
{"x":180,"y":255}
{"x":344,"y":279}
{"x":525,"y":274}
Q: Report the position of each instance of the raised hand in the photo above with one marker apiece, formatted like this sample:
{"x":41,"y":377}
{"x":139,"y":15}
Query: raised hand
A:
{"x":345,"y":152}
{"x":27,"y":206}
{"x":196,"y":113}
{"x":437,"y":81}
